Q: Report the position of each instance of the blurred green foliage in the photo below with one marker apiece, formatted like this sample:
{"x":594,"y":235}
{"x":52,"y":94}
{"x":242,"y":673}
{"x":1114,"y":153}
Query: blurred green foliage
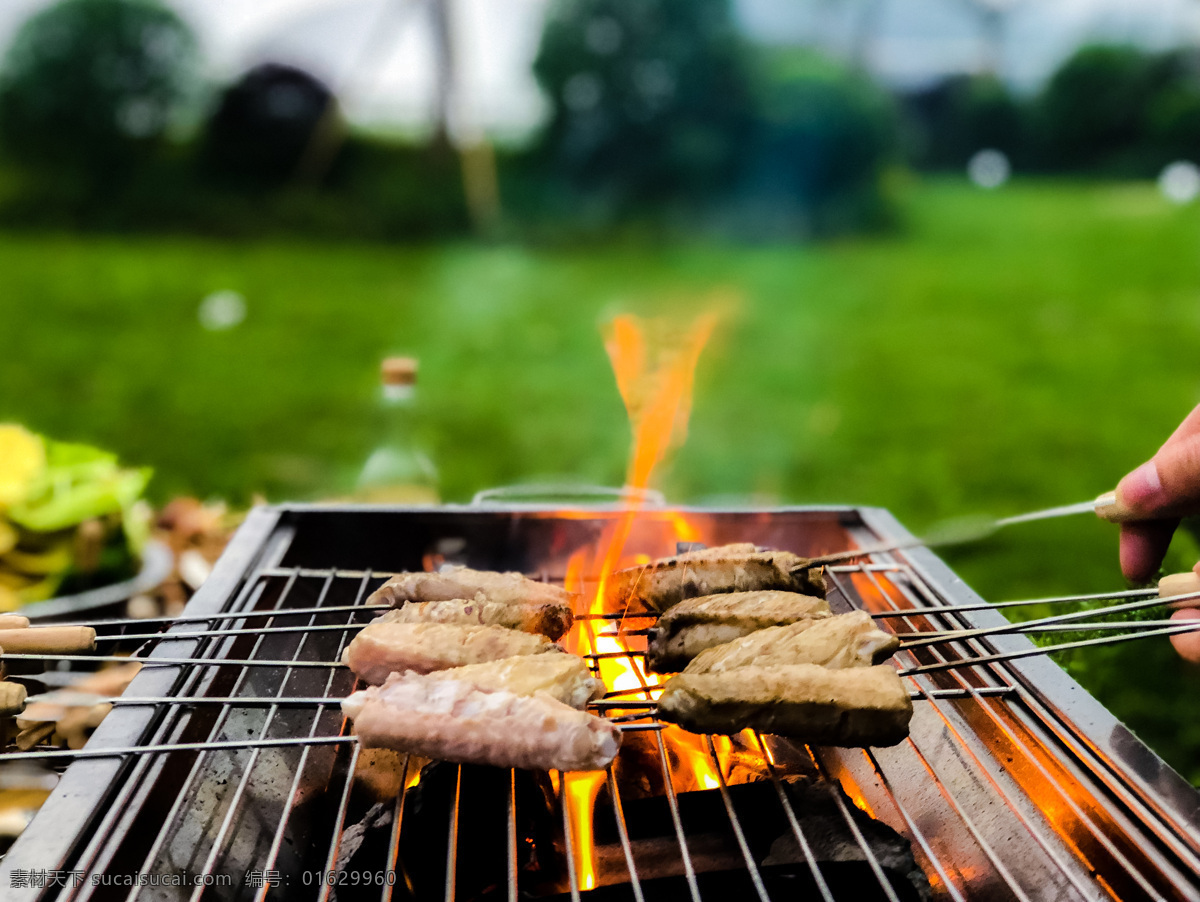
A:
{"x":1109,"y":110}
{"x":90,"y":86}
{"x":660,"y":110}
{"x":375,"y":189}
{"x":648,"y":98}
{"x":819,"y":149}
{"x":945,"y":125}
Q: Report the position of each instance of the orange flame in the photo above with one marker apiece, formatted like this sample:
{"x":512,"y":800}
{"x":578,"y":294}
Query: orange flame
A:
{"x":658,"y":398}
{"x":696,"y":769}
{"x":579,"y":790}
{"x":658,"y":401}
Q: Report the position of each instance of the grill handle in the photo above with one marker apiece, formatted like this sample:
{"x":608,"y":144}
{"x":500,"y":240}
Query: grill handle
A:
{"x":567,"y":492}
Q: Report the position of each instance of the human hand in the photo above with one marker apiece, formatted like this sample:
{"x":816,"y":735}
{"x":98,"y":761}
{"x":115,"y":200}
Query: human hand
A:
{"x":1187,"y":644}
{"x":1155,"y":496}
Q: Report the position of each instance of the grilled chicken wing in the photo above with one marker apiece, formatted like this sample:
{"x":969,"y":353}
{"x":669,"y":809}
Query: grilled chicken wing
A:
{"x":665,"y":582}
{"x":563,"y":677}
{"x":383,"y":648}
{"x":455,"y":583}
{"x":455,"y":720}
{"x":844,"y":640}
{"x":551,"y":619}
{"x":694,"y":625}
{"x":858,"y":707}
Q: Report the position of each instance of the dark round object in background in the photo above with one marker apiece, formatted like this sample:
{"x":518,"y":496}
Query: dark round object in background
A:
{"x":265,"y":124}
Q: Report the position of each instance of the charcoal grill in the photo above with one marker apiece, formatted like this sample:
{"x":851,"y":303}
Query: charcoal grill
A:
{"x":1015,"y":783}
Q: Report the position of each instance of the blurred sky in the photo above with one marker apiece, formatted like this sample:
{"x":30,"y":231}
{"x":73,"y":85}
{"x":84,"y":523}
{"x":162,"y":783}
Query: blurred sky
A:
{"x":376,"y":54}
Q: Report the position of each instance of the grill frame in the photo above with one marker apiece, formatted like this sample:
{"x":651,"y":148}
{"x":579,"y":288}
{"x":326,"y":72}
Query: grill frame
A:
{"x":1162,"y":804}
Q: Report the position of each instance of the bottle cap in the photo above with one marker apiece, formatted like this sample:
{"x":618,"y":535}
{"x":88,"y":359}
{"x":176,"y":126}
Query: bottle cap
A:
{"x":399,"y":370}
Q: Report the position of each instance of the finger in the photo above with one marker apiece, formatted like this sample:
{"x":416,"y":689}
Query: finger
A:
{"x":1189,"y":427}
{"x":1166,"y":485}
{"x":1187,"y":644}
{"x":1143,"y":546}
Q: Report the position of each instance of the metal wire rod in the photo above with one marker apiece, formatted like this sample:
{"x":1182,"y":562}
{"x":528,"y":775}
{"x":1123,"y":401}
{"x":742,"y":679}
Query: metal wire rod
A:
{"x":234,"y":615}
{"x":1189,"y":626}
{"x":954,"y":635}
{"x":218,"y":745}
{"x":69,"y":698}
{"x":650,"y":708}
{"x":988,"y":605}
{"x":119,"y":751}
{"x":169,"y":662}
{"x":244,"y":631}
{"x":1030,"y":624}
{"x":624,"y":633}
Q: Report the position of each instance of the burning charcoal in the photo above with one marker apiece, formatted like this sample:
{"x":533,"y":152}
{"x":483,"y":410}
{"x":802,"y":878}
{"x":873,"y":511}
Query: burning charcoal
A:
{"x":842,"y":858}
{"x":716,"y":853}
{"x":482,"y":798}
{"x":376,"y":821}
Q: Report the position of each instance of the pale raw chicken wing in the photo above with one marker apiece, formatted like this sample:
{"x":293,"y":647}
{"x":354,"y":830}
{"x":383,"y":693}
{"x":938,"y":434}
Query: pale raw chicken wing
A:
{"x":453,"y":583}
{"x":380,"y":649}
{"x":551,"y":619}
{"x":455,"y":720}
{"x":563,"y":677}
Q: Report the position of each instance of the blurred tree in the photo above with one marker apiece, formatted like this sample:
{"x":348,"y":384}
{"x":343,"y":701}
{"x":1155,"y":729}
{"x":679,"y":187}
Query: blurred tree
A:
{"x":1091,"y":111}
{"x":1121,"y":110}
{"x":823,"y":139}
{"x":89,"y":86}
{"x":275,"y":124}
{"x":649,"y":97}
{"x":962,"y":114}
{"x":1172,"y":115}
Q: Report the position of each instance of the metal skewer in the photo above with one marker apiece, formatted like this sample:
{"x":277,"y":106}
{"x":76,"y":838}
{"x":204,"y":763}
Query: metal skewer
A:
{"x":168,"y":662}
{"x":955,"y":532}
{"x":1057,"y":618}
{"x":70,"y":698}
{"x":244,"y":631}
{"x":988,"y":605}
{"x":1188,"y":626}
{"x":86,"y":752}
{"x":953,"y":635}
{"x":231,"y":615}
{"x":219,"y":745}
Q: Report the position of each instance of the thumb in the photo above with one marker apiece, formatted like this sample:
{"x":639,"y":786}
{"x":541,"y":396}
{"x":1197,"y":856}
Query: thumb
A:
{"x":1166,"y":485}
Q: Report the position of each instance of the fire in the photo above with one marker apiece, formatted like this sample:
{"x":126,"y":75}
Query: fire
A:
{"x":657,"y":391}
{"x":579,"y":790}
{"x":656,"y":386}
{"x":694,"y":760}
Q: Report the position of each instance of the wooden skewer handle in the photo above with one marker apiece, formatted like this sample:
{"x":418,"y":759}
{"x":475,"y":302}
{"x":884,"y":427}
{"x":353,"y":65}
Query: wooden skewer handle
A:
{"x":57,"y":640}
{"x":1180,"y":584}
{"x":1109,"y":508}
{"x":13,"y":622}
{"x":12,"y":699}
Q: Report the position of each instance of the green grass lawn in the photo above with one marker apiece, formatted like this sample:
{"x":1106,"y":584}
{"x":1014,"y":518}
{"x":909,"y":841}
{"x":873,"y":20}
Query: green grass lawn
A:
{"x":1004,"y":351}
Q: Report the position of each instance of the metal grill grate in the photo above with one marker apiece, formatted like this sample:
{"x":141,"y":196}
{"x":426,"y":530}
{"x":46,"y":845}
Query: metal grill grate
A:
{"x":1011,"y":785}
